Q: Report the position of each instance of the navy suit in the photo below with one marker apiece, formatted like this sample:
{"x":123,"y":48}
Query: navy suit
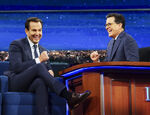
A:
{"x":124,"y":49}
{"x":26,"y":75}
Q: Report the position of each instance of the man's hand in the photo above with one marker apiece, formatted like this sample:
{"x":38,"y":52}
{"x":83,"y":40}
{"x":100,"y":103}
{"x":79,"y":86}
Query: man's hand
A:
{"x":51,"y":72}
{"x":44,"y":56}
{"x":94,"y":56}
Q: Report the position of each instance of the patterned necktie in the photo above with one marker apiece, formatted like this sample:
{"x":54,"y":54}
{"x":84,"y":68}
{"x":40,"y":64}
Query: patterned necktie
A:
{"x":35,"y":51}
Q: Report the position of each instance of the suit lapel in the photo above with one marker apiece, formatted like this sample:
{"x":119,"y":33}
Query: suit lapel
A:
{"x":40,"y":49}
{"x":109,"y":50}
{"x":28,"y":49}
{"x":116,"y":45}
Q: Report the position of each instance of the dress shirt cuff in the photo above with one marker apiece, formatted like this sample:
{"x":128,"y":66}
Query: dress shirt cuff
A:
{"x":37,"y":60}
{"x":97,"y":61}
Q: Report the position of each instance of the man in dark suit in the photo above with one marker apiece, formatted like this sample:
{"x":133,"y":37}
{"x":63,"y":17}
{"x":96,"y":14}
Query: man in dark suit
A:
{"x":30,"y":69}
{"x":122,"y":47}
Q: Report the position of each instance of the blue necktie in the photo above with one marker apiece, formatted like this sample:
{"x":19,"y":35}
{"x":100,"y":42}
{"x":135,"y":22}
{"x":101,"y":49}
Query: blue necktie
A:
{"x":35,"y":51}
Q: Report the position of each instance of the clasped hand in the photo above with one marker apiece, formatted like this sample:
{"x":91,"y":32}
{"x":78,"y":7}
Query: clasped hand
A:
{"x":44,"y":56}
{"x":94,"y":56}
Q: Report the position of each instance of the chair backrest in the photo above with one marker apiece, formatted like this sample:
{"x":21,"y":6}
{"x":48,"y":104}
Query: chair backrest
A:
{"x":57,"y":66}
{"x":144,"y":54}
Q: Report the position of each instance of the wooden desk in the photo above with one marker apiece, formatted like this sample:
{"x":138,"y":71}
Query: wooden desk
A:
{"x":118,"y":88}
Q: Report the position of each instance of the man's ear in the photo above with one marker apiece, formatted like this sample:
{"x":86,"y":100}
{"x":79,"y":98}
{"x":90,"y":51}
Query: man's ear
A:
{"x":120,"y":25}
{"x":26,"y":31}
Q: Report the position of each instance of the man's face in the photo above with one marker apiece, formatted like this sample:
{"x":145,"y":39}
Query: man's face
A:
{"x":35,"y":32}
{"x":112,"y":27}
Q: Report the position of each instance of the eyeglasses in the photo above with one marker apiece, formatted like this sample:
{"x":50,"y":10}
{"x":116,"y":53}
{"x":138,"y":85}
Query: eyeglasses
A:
{"x":109,"y":24}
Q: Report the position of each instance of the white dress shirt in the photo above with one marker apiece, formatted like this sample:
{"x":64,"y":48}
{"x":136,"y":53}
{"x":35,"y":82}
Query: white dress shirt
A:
{"x":37,"y":60}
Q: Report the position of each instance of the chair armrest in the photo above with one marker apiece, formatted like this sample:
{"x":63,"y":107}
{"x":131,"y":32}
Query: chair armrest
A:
{"x":3,"y":83}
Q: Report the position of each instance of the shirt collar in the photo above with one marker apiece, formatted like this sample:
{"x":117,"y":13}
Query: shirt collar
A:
{"x":116,"y":37}
{"x":31,"y":43}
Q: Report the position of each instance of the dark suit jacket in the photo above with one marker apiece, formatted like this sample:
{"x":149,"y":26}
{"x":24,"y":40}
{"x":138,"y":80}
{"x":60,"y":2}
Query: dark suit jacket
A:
{"x":21,"y":56}
{"x":125,"y":49}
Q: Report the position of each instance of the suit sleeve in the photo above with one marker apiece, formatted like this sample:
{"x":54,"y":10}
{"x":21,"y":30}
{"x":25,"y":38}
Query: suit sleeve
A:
{"x":47,"y":63}
{"x":131,"y":49}
{"x":17,"y":64}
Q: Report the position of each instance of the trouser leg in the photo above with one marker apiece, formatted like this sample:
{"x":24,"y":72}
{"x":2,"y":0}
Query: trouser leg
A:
{"x":41,"y":96}
{"x":22,"y":81}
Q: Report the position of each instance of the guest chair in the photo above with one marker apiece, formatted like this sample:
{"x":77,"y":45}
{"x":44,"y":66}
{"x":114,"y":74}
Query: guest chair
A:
{"x":23,"y":103}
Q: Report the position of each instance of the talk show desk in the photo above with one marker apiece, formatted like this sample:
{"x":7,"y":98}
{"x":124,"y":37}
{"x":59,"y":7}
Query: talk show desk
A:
{"x":117,"y":88}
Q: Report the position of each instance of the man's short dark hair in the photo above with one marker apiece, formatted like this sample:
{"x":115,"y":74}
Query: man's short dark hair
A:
{"x":119,"y":18}
{"x":32,"y":19}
